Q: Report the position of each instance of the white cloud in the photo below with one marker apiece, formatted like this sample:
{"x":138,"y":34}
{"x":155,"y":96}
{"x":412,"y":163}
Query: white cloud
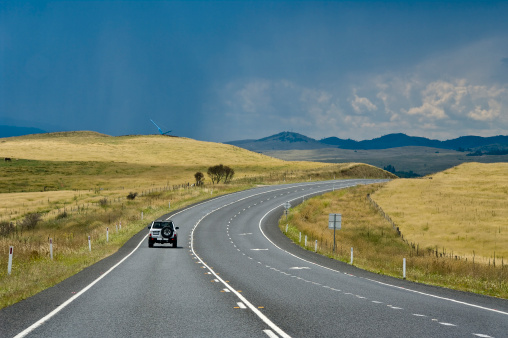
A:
{"x":360,"y":104}
{"x":428,"y":110}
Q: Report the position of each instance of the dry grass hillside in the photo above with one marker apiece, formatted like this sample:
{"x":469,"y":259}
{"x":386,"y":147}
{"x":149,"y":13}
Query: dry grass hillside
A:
{"x":461,"y":211}
{"x":51,"y":170}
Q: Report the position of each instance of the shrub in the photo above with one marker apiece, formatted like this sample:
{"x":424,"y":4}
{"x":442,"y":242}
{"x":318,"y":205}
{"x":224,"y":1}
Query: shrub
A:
{"x":199,"y":178}
{"x":132,"y":195}
{"x":62,"y":215}
{"x":6,"y":228}
{"x":30,"y":221}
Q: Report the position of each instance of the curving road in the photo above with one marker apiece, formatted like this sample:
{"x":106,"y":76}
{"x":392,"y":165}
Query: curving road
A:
{"x":235,"y":275}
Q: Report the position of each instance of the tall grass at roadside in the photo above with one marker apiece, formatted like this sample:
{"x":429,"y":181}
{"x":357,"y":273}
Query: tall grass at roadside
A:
{"x":378,"y":247}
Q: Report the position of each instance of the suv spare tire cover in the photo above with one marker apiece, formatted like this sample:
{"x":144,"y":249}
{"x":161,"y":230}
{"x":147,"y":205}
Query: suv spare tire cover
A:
{"x":167,"y":232}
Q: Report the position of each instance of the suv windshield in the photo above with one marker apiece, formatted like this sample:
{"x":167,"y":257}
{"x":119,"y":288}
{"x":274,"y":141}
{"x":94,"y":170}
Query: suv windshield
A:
{"x":160,"y":225}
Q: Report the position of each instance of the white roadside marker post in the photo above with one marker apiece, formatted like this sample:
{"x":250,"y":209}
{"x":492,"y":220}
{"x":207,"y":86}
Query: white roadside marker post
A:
{"x":141,"y":215}
{"x":89,"y":244}
{"x":300,"y":238}
{"x":9,"y":266}
{"x":107,"y":234}
{"x":305,"y":240}
{"x":315,"y":246}
{"x":351,"y":256}
{"x":169,"y":205}
{"x":51,"y":248}
{"x":287,"y":228}
{"x":404,"y":268}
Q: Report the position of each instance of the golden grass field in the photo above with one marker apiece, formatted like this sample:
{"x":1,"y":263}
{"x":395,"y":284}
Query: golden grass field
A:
{"x":463,"y":210}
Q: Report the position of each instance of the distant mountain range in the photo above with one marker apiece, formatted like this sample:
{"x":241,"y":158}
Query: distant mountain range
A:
{"x":9,"y":131}
{"x":294,"y":141}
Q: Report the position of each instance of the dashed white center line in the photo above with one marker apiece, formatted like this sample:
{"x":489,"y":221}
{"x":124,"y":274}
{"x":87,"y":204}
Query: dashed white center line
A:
{"x":241,"y":305}
{"x":447,"y":324}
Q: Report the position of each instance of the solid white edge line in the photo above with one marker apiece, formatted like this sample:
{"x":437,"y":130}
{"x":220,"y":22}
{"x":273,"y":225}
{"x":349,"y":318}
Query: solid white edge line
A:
{"x":73,"y":298}
{"x":372,"y":280}
{"x":86,"y":288}
{"x":264,"y":318}
{"x":270,"y":334}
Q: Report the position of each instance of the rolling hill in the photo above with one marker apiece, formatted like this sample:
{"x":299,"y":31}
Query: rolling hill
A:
{"x":294,"y":141}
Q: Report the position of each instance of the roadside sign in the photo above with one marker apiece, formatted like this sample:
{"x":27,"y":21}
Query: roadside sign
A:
{"x":287,"y":205}
{"x":334,"y":221}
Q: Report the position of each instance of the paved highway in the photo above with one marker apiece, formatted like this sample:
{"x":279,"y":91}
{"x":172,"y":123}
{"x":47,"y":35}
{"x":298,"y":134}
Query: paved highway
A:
{"x":235,"y":275}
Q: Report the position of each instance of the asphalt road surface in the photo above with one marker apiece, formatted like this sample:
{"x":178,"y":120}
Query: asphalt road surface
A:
{"x":234,"y":274}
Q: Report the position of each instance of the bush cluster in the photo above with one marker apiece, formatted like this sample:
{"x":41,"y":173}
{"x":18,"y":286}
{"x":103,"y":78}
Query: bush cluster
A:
{"x":220,"y":172}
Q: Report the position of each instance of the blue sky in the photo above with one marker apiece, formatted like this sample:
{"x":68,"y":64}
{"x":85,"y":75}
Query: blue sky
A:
{"x":222,"y":71}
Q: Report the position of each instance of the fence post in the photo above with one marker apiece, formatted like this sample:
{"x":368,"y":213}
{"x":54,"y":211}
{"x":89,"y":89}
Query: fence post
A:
{"x":9,"y":266}
{"x":404,"y":268}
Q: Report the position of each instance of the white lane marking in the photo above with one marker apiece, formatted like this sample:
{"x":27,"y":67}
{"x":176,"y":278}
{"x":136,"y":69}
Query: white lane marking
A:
{"x":270,"y":334}
{"x":70,"y":300}
{"x":482,"y":335}
{"x":259,"y":249}
{"x":245,"y":234}
{"x":369,"y":279}
{"x":226,"y":290}
{"x":256,"y":311}
{"x":447,"y":324}
{"x":241,"y":305}
{"x":418,"y":315}
{"x":299,"y":268}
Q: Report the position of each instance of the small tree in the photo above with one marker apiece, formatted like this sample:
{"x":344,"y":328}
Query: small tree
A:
{"x":199,"y":178}
{"x":216,"y":173}
{"x":228,"y":174}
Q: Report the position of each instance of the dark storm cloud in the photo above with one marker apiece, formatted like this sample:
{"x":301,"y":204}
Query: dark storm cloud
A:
{"x":226,"y":70}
